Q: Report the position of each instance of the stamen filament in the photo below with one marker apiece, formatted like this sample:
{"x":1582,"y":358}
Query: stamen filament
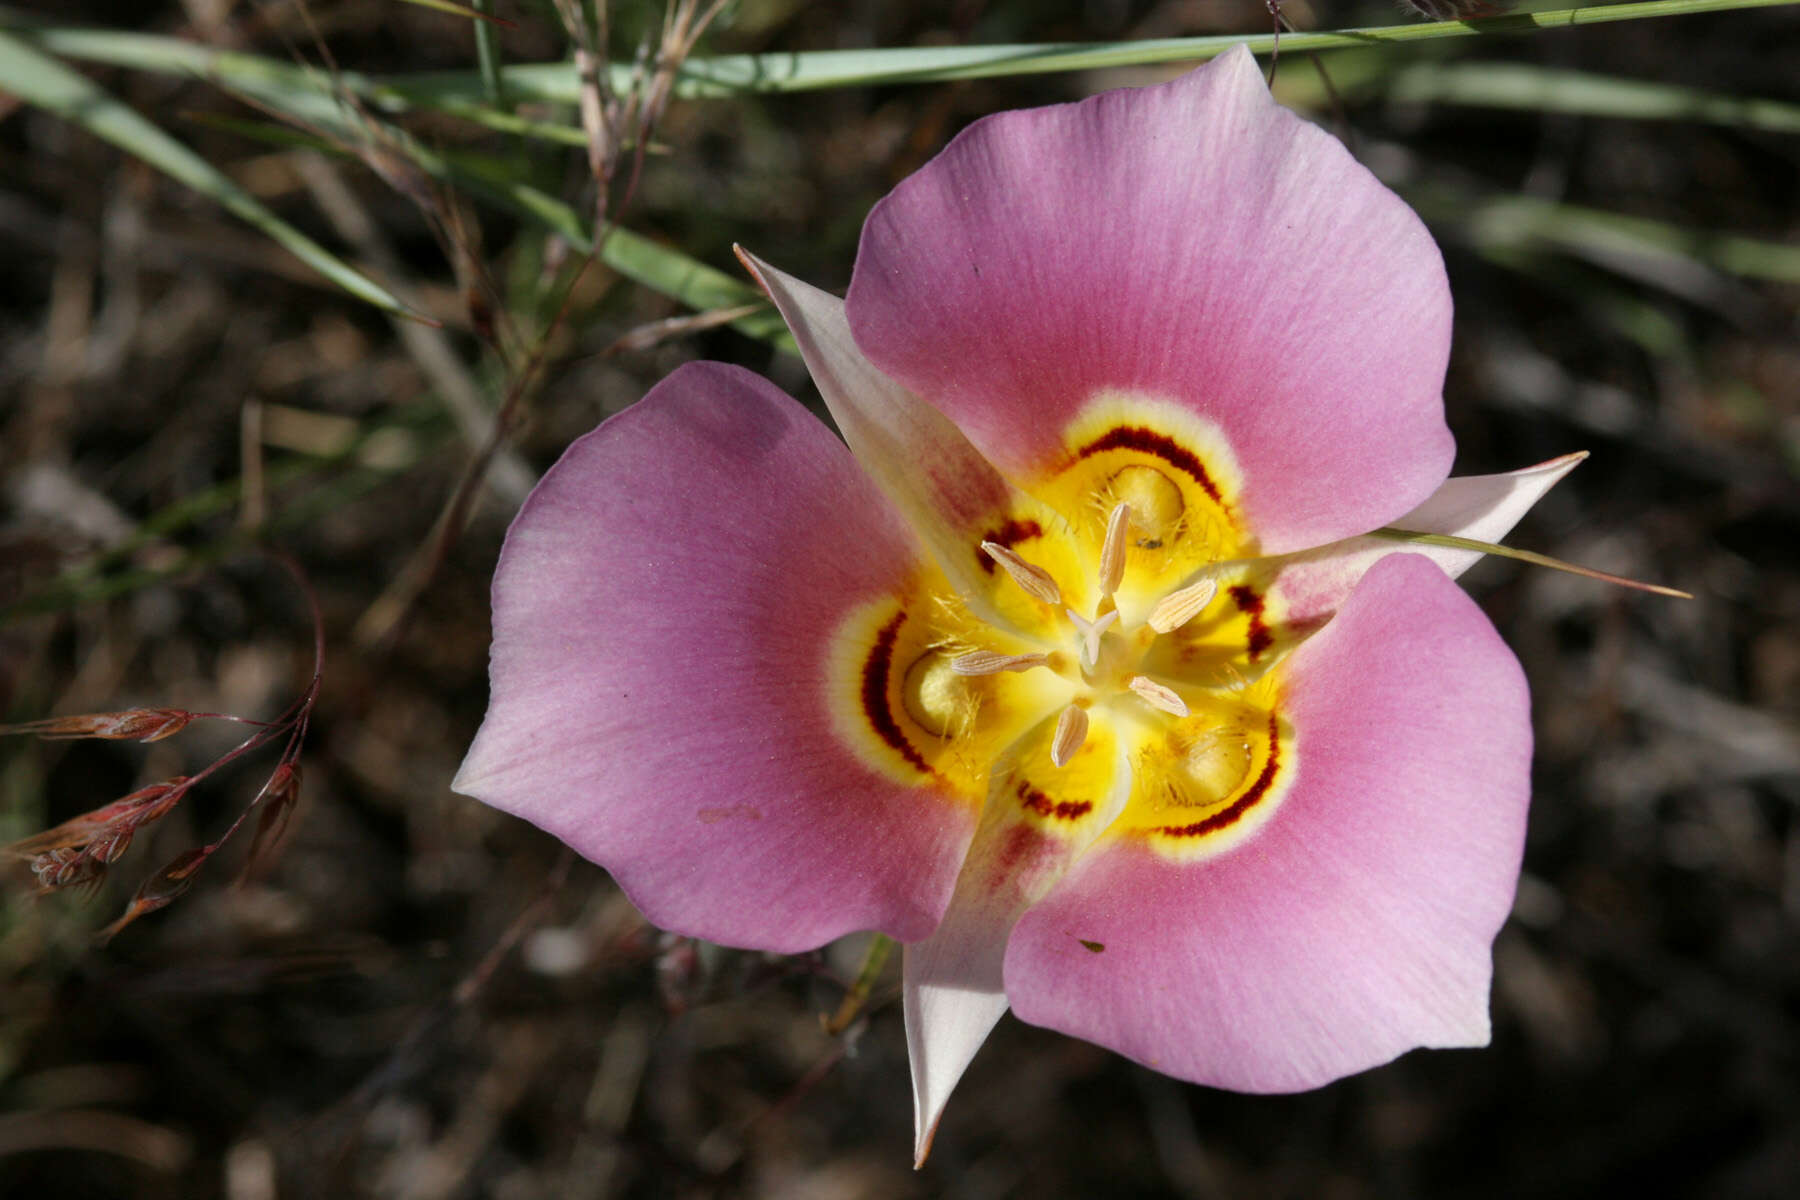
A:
{"x":1071,"y":731}
{"x":1157,"y":696}
{"x":1112,"y":551}
{"x":1034,"y":579}
{"x":1179,"y":607}
{"x":989,"y":662}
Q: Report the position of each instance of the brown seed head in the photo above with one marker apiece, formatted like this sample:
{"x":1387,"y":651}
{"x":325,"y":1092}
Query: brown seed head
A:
{"x":133,"y":724}
{"x":65,"y":867}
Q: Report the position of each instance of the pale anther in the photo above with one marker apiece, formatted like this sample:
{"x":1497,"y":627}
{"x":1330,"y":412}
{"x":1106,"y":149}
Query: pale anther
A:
{"x":1157,"y":696}
{"x":1071,"y":731}
{"x":1179,"y":607}
{"x":988,"y":662}
{"x":1034,"y":579}
{"x":1112,"y":551}
{"x":1090,"y":632}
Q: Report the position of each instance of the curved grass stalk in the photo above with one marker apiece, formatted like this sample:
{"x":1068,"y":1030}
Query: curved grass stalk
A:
{"x":39,"y":79}
{"x":738,"y":74}
{"x":1595,"y":233}
{"x":1531,"y":88}
{"x":313,"y":98}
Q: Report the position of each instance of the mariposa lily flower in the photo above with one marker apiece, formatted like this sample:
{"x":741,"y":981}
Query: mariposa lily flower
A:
{"x":1076,"y":671}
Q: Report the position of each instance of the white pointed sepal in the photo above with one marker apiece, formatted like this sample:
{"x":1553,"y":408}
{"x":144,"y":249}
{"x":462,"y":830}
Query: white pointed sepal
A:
{"x":1482,"y":508}
{"x":922,"y":462}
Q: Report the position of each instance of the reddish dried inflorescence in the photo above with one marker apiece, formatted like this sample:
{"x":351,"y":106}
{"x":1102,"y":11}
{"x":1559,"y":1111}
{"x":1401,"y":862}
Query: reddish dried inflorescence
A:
{"x":79,"y":851}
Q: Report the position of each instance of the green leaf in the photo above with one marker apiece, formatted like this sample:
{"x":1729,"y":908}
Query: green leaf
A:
{"x":39,"y":79}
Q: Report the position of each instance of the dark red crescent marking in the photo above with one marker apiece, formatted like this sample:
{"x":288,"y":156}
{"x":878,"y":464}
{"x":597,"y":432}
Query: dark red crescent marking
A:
{"x":1251,"y":605}
{"x":1008,"y":535}
{"x":1244,"y":803}
{"x":1136,"y":437}
{"x":1044,"y":806}
{"x":877,"y":669}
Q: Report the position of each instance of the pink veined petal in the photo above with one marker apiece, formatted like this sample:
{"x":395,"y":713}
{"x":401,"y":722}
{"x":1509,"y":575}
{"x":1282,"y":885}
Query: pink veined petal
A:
{"x":1192,"y":241}
{"x":952,"y":986}
{"x":659,"y":696}
{"x":1359,"y":922}
{"x":1482,"y":507}
{"x":949,"y":493}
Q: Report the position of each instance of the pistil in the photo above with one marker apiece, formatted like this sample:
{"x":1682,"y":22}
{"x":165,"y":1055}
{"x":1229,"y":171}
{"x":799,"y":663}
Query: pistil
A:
{"x":1091,"y":632}
{"x":1103,"y":670}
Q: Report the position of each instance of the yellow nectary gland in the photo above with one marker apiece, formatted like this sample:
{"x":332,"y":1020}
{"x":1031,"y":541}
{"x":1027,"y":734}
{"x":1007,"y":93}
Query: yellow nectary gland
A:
{"x":1155,"y":500}
{"x":1217,"y":760}
{"x":933,"y":694}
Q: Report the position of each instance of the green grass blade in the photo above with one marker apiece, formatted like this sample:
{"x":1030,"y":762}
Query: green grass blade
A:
{"x":1526,"y":220}
{"x":638,"y":258}
{"x":1540,"y":89}
{"x":660,"y":267}
{"x":487,"y":55}
{"x":730,"y":75}
{"x":39,"y":79}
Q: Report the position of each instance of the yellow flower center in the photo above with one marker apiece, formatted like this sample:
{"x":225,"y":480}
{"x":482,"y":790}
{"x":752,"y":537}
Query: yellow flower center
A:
{"x":1126,"y":654}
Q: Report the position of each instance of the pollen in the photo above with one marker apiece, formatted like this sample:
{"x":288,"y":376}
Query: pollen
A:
{"x":987,"y":662}
{"x":1071,"y":732}
{"x":1112,"y":551}
{"x":1157,"y":695}
{"x":1181,"y":606}
{"x":1033,"y":579}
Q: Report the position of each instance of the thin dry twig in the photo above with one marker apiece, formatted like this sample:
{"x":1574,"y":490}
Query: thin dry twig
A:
{"x":429,"y":348}
{"x":604,"y":116}
{"x":415,"y":1046}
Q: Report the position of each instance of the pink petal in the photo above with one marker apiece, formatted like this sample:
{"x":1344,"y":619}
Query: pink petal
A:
{"x":1482,"y":507}
{"x":1192,"y":242}
{"x":1358,"y":922}
{"x":950,"y":495}
{"x":659,"y":702}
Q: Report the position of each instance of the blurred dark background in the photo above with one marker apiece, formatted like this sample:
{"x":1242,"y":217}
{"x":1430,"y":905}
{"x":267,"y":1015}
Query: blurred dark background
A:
{"x":423,"y":999}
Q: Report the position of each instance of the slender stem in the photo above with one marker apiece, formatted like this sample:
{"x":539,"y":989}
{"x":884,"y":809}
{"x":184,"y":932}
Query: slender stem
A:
{"x":1450,"y":541}
{"x":487,"y":54}
{"x":858,"y":995}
